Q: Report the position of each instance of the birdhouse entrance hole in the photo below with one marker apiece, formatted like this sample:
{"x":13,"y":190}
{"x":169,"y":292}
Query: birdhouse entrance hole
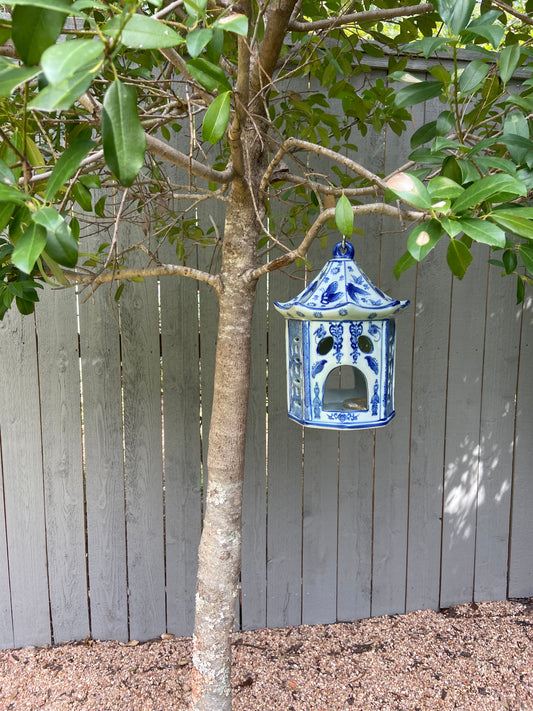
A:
{"x":345,"y":389}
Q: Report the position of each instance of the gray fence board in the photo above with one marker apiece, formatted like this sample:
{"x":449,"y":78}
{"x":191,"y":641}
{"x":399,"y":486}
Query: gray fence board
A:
{"x":141,"y":379}
{"x":392,"y":445}
{"x":23,"y":486}
{"x":463,"y":431}
{"x":253,"y":576}
{"x":104,"y":466}
{"x":428,"y":410}
{"x":183,"y":504}
{"x":354,"y":546}
{"x":521,"y":563}
{"x":284,"y":526}
{"x":62,"y":463}
{"x":6,"y":622}
{"x":498,"y":412}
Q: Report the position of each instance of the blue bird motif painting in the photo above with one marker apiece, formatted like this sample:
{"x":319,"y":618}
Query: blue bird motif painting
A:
{"x":318,"y":367}
{"x":331,"y":294}
{"x":373,"y":364}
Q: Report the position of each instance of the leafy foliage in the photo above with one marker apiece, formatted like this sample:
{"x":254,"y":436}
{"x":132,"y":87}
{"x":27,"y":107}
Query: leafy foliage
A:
{"x":90,"y":84}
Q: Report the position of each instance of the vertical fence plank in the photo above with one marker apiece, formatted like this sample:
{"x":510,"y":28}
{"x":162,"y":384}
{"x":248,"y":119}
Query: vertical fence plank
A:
{"x":253,"y":572}
{"x":141,"y":378}
{"x":496,"y":443}
{"x":462,"y":432}
{"x":521,"y":563}
{"x":356,"y":468}
{"x":320,"y":505}
{"x":208,"y":260}
{"x":430,"y":371}
{"x":6,"y":623}
{"x":104,"y":466}
{"x":392,"y":443}
{"x":356,"y":449}
{"x":62,"y":463}
{"x":20,"y":428}
{"x":181,"y":396}
{"x":284,"y":532}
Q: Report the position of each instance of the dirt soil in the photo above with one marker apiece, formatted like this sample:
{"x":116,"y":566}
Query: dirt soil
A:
{"x":475,"y":657}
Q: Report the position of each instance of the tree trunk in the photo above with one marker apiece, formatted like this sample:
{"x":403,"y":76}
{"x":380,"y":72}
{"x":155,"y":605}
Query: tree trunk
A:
{"x":220,"y":547}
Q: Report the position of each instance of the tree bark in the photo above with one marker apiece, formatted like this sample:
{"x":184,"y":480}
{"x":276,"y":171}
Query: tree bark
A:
{"x":220,"y":546}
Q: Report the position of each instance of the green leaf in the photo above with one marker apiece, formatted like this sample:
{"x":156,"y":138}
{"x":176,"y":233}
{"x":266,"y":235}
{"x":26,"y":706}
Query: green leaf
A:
{"x":54,"y":268}
{"x":423,"y":238}
{"x":427,"y":45}
{"x":451,"y":227}
{"x":526,"y":254}
{"x":455,"y":14}
{"x":60,"y":97}
{"x":79,"y":6}
{"x":60,"y":242}
{"x":510,"y":261}
{"x":67,"y":164}
{"x":418,"y":93}
{"x":344,"y":216}
{"x":234,"y":22}
{"x":482,"y":231}
{"x":424,"y":134}
{"x":509,"y":58}
{"x":11,"y":194}
{"x":210,"y":76}
{"x":411,"y":190}
{"x":6,"y":210}
{"x":405,"y":262}
{"x":56,"y":5}
{"x":445,"y":122}
{"x":11,"y":75}
{"x":458,"y":257}
{"x":500,"y":184}
{"x":29,"y":247}
{"x":216,"y":118}
{"x":195,"y":8}
{"x":515,"y":222}
{"x":142,"y":32}
{"x":198,"y":39}
{"x":36,"y":28}
{"x":82,"y":196}
{"x":473,"y":75}
{"x":520,"y":289}
{"x":123,"y":136}
{"x":492,"y":32}
{"x":63,"y":60}
{"x":442,"y":188}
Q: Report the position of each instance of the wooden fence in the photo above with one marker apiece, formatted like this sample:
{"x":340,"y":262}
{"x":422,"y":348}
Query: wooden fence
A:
{"x":103,"y":435}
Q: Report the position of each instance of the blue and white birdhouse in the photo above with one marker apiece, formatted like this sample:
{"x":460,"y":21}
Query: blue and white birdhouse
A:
{"x":340,"y":348}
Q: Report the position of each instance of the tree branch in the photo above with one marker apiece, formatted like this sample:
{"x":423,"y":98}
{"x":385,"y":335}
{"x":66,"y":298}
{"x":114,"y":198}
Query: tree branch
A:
{"x":301,"y":251}
{"x":172,"y":155}
{"x":277,"y":18}
{"x":160,"y":270}
{"x":515,"y":13}
{"x":320,"y":150}
{"x":356,"y":17}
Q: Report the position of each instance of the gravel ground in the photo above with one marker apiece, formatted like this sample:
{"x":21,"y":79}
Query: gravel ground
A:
{"x":475,"y":657}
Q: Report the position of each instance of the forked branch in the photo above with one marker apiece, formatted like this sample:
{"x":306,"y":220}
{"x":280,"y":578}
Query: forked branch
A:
{"x":301,"y":251}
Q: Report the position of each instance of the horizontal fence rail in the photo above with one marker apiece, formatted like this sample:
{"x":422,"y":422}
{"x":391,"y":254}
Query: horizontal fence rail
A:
{"x":104,"y":415}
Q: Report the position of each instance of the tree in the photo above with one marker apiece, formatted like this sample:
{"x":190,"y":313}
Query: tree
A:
{"x":93,"y":94}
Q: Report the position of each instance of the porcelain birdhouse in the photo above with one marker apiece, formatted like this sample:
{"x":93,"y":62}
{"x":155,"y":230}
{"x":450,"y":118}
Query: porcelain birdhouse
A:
{"x":340,"y":341}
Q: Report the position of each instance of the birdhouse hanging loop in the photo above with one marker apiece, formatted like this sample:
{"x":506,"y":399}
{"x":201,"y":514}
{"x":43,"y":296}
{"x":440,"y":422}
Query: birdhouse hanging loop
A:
{"x":340,"y":343}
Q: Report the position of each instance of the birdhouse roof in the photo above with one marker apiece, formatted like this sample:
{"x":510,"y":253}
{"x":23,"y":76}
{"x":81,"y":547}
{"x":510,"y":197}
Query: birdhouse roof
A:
{"x":341,"y":292}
